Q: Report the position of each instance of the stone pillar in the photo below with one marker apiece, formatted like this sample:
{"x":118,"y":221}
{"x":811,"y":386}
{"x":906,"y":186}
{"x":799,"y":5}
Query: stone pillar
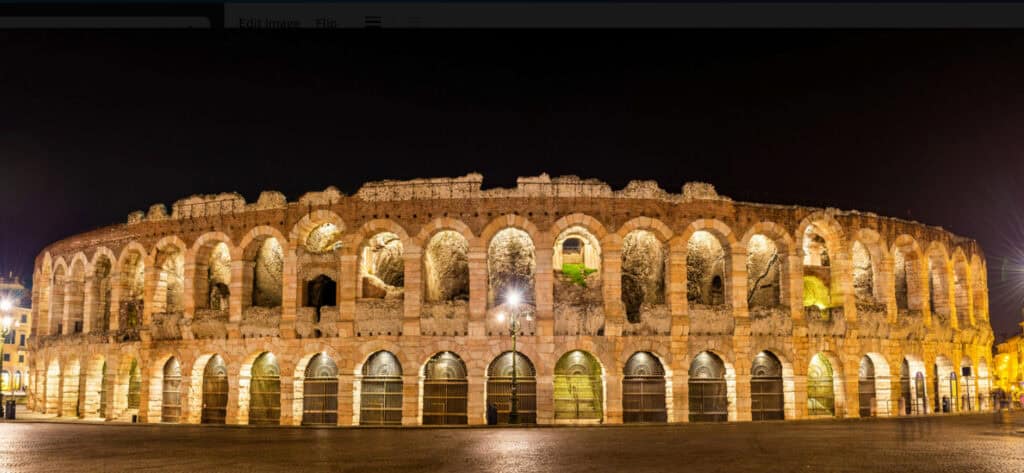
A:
{"x":346,"y":398}
{"x":233,"y":416}
{"x":235,"y":298}
{"x":116,"y":290}
{"x":741,"y":365}
{"x":348,"y":271}
{"x":611,"y":287}
{"x":613,"y":400}
{"x":800,"y":391}
{"x":411,"y":398}
{"x":678,"y":305}
{"x":290,"y":292}
{"x":478,"y":288}
{"x":191,"y":286}
{"x":545,"y":399}
{"x":150,"y":296}
{"x":544,"y":280}
{"x":287,"y":401}
{"x":412,"y":258}
{"x":475,"y":409}
{"x":89,"y":303}
{"x":680,"y":395}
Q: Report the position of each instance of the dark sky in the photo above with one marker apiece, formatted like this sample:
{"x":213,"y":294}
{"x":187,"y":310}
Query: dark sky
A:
{"x":923,"y":124}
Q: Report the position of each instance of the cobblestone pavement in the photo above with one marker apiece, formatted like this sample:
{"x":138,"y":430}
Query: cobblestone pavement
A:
{"x":977,"y":443}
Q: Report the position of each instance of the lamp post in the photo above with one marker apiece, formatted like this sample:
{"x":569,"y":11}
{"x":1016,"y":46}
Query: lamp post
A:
{"x":512,"y":301}
{"x":7,"y":322}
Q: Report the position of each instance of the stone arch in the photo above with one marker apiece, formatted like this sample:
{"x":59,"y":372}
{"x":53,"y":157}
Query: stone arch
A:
{"x":769,"y":248}
{"x":646,"y":388}
{"x":74,"y":295}
{"x":511,"y":266}
{"x":211,"y":257}
{"x":914,"y":388}
{"x":498,"y":392}
{"x":979,"y":288}
{"x":579,"y":388}
{"x":99,"y":294}
{"x":379,"y":377}
{"x":446,"y":265}
{"x":262,"y":256}
{"x":967,"y":396}
{"x":710,"y":245}
{"x":945,"y":379}
{"x":381,"y":262}
{"x":315,"y":394}
{"x":300,"y":231}
{"x":52,"y":388}
{"x":444,"y":387}
{"x":168,"y":260}
{"x":154,"y":384}
{"x":881,"y":403}
{"x":70,"y":377}
{"x":644,"y":273}
{"x":822,"y":366}
{"x":787,"y":378}
{"x":938,"y":277}
{"x":822,"y":243}
{"x":246,"y":391}
{"x":441,"y":224}
{"x":57,"y":297}
{"x":588,"y":229}
{"x":93,"y":388}
{"x":650,"y":224}
{"x":707,"y":401}
{"x":41,"y":306}
{"x":130,"y":285}
{"x":910,"y":274}
{"x":962,"y":289}
{"x":870,"y":259}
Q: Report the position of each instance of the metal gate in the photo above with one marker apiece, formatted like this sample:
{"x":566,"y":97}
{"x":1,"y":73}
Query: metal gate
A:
{"x":215,"y":391}
{"x":766,"y":395}
{"x":820,"y":390}
{"x":265,"y":391}
{"x":171,"y":403}
{"x":866,"y":387}
{"x":643,"y":389}
{"x":708,"y":391}
{"x":320,"y":392}
{"x":445,"y":390}
{"x":578,"y":387}
{"x":380,"y":400}
{"x":134,"y":385}
{"x":499,"y":387}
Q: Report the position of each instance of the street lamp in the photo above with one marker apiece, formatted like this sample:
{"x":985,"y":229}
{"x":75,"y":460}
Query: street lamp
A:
{"x":7,"y":322}
{"x":512,"y":300}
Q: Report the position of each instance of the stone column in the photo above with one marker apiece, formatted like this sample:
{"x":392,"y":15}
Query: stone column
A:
{"x":348,"y":271}
{"x":413,"y":277}
{"x":346,"y":398}
{"x":678,"y":305}
{"x":150,"y":295}
{"x":411,"y":398}
{"x":545,"y":399}
{"x":116,"y":290}
{"x":613,"y":400}
{"x":544,"y":280}
{"x":478,"y":288}
{"x":287,"y":401}
{"x":237,"y":283}
{"x":190,"y":286}
{"x":680,"y":395}
{"x":475,"y":409}
{"x":233,"y":416}
{"x":290,"y":292}
{"x":611,"y":287}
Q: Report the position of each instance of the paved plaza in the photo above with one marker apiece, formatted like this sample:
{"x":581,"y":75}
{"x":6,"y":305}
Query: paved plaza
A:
{"x":976,"y":443}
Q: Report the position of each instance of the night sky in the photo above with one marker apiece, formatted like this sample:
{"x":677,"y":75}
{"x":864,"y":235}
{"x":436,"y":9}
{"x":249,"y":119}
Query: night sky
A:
{"x":924,"y":125}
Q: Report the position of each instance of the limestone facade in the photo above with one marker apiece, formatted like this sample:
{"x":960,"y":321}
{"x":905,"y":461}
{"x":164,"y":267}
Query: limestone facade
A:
{"x":836,"y":288}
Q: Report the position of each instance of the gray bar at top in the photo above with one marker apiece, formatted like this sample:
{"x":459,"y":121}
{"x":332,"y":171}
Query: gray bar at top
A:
{"x":623,"y":15}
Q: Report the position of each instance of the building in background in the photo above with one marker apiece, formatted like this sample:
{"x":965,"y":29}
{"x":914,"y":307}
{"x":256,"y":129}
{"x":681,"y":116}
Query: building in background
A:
{"x":15,"y":355}
{"x":1009,"y":361}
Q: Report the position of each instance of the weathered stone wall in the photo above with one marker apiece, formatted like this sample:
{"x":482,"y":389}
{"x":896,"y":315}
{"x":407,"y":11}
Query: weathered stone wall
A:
{"x":446,"y":299}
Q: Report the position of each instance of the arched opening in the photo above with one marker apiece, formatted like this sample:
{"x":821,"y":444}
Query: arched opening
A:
{"x":817,"y":267}
{"x":511,"y":265}
{"x":215,"y":391}
{"x":170,"y":284}
{"x":100,"y":290}
{"x":968,"y":393}
{"x":644,"y":259}
{"x":820,"y":387}
{"x":979,"y":290}
{"x":579,"y":388}
{"x":380,"y":397}
{"x":170,"y":410}
{"x":264,"y":267}
{"x":912,"y":389}
{"x":265,"y":391}
{"x":907,"y":275}
{"x":868,"y":277}
{"x":764,"y":273}
{"x":324,"y":238}
{"x":499,"y":387}
{"x":705,"y":270}
{"x":945,"y":384}
{"x":320,"y":392}
{"x":382,"y":267}
{"x":53,"y":388}
{"x":213,"y":277}
{"x":708,"y":390}
{"x":445,"y":390}
{"x":577,"y":284}
{"x":70,"y":402}
{"x":937,"y":288}
{"x":56,"y":322}
{"x":74,"y":297}
{"x":17,"y":381}
{"x":767,"y":399}
{"x":132,"y":281}
{"x":92,"y":405}
{"x":577,"y":256}
{"x":446,"y":267}
{"x":866,"y":387}
{"x":321,"y":292}
{"x":643,"y":389}
{"x":134,"y":386}
{"x":961,"y":290}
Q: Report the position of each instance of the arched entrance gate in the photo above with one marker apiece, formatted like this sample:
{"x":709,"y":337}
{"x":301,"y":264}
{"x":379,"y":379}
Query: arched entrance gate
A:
{"x":445,"y":390}
{"x":499,"y":387}
{"x":708,"y":391}
{"x":579,"y":389}
{"x":380,"y":401}
{"x":643,"y":389}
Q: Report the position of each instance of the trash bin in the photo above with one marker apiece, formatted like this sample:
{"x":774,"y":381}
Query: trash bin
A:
{"x":11,"y":406}
{"x":135,"y":418}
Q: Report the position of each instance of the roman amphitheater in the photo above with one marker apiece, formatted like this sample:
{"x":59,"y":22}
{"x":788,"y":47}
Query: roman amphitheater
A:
{"x":392,"y":306}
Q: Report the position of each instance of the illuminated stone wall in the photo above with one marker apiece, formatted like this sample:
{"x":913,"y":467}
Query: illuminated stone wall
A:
{"x":419,"y":267}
